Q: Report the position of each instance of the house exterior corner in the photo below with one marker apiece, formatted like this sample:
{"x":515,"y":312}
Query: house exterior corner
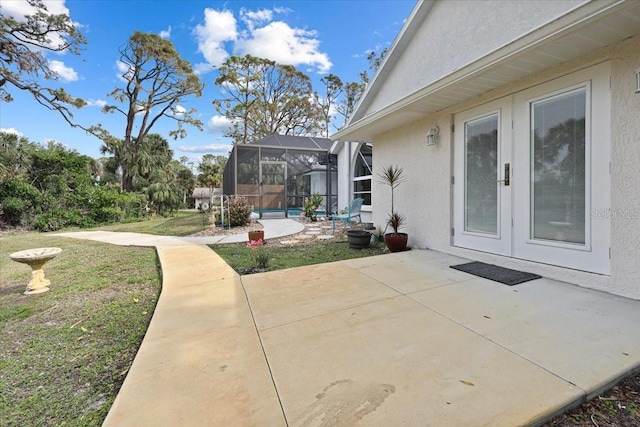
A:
{"x":536,"y":161}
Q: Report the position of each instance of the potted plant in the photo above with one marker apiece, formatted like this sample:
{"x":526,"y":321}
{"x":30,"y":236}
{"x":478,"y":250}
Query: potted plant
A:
{"x":358,"y":239}
{"x":393,"y":176}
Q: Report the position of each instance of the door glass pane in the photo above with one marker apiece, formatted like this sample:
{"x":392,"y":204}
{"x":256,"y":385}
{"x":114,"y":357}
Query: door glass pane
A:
{"x":481,"y":175}
{"x":273,"y":186}
{"x":558,"y":170}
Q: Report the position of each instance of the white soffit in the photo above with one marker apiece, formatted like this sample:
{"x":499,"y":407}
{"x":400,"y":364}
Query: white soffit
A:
{"x":596,"y":25}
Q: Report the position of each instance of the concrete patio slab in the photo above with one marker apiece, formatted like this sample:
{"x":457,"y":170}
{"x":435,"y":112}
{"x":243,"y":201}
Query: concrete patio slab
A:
{"x":393,"y":362}
{"x":286,"y":296}
{"x":575,"y":333}
{"x":397,"y":339}
{"x":415,"y":276}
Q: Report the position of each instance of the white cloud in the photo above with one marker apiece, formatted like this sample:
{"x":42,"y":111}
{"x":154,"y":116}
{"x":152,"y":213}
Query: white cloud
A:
{"x":13,"y":131}
{"x":96,"y":103}
{"x":179,"y":111}
{"x":263,"y":37}
{"x":202,"y":68}
{"x":123,"y":70}
{"x":219,"y":27}
{"x":251,"y":18}
{"x":165,"y":34}
{"x":67,"y":74}
{"x":20,"y":9}
{"x":218,"y":124}
{"x":222,"y":149}
{"x":286,"y":45}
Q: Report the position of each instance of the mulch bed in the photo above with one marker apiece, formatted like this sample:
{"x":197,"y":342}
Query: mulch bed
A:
{"x":618,"y":407}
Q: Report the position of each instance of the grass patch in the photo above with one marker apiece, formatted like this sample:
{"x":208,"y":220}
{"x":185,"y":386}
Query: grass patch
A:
{"x":65,"y":353}
{"x":183,"y":223}
{"x":281,"y":257}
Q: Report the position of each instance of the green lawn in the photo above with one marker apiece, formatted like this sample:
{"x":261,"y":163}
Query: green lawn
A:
{"x":281,"y":257}
{"x":65,"y":353}
{"x":183,"y":223}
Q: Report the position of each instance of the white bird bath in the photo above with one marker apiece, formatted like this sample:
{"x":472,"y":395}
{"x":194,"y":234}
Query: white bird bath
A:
{"x":36,"y":259}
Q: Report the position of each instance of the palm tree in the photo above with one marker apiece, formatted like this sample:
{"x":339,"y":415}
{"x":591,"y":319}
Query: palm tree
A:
{"x":186,"y":181}
{"x":163,"y":196}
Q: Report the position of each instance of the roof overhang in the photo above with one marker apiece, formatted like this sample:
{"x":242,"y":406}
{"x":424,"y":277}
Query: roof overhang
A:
{"x":589,"y":27}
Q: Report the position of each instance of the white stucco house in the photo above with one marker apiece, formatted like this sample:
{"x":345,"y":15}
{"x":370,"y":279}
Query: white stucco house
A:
{"x":536,"y":161}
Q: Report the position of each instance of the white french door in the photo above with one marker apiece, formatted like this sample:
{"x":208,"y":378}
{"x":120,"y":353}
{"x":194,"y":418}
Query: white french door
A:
{"x":532,"y":173}
{"x":482,"y":214}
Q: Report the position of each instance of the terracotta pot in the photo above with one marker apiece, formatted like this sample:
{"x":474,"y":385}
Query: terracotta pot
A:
{"x":256,"y":235}
{"x":396,"y":242}
{"x":358,"y":239}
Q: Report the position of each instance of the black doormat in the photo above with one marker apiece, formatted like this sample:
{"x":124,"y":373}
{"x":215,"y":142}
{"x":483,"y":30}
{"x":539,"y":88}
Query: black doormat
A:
{"x":495,"y":273}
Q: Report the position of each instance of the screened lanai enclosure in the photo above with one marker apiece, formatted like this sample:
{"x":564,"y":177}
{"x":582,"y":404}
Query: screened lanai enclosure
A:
{"x":277,"y":173}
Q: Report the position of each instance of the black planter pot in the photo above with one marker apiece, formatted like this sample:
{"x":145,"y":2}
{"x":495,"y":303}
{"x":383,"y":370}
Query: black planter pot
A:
{"x":358,"y":239}
{"x":396,"y":242}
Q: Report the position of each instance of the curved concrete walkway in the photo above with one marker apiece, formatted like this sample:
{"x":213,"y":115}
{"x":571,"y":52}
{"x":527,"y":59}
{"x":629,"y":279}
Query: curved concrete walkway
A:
{"x":273,"y":229}
{"x":398,"y":339}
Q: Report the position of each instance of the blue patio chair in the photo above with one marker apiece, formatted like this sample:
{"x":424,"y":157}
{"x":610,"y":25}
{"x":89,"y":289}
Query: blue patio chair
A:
{"x":352,"y":212}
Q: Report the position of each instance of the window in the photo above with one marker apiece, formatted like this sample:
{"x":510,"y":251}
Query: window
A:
{"x":558,"y":153}
{"x":362,"y":172}
{"x":481,"y":166}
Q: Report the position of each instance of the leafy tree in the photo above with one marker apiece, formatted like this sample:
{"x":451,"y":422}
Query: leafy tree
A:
{"x":333,"y":88}
{"x":157,"y":80}
{"x":211,"y":168}
{"x":261,"y":98}
{"x":163,"y":196}
{"x":15,"y":155}
{"x":23,"y":65}
{"x":186,"y":181}
{"x":154,"y":155}
{"x":375,"y":60}
{"x":352,"y":91}
{"x":57,"y":187}
{"x":112,"y":147}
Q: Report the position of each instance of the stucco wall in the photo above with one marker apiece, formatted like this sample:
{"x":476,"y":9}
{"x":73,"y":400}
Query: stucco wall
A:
{"x":625,"y":168}
{"x":425,"y":198}
{"x":458,"y":32}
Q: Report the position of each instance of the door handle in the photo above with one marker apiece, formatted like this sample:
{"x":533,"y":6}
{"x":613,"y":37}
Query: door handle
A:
{"x":507,"y":174}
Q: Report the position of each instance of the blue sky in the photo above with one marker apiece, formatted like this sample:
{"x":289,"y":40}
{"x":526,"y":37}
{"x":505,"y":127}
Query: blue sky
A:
{"x":318,"y":37}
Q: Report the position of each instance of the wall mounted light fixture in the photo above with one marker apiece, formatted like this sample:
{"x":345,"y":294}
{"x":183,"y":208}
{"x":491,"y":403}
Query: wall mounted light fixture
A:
{"x":432,"y":135}
{"x":638,"y":80}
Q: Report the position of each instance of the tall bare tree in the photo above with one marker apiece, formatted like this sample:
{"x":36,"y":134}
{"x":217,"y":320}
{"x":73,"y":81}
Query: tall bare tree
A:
{"x":23,"y":64}
{"x":261,"y":98}
{"x":352,"y":91}
{"x":328,"y":101}
{"x":157,"y":79}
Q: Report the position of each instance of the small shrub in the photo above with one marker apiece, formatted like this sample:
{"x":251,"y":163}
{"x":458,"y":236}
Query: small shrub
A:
{"x":259,"y":255}
{"x":108,"y":214}
{"x":239,"y":211}
{"x":311,"y":204}
{"x":13,"y":209}
{"x":56,"y":219}
{"x":18,"y":201}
